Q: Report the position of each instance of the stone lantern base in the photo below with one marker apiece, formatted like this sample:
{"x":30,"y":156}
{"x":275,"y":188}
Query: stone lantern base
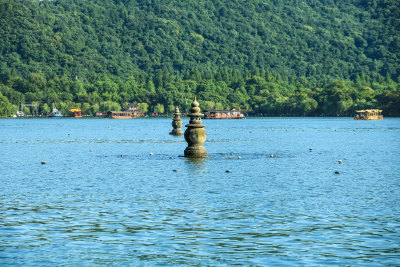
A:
{"x":176,"y":132}
{"x":196,"y":152}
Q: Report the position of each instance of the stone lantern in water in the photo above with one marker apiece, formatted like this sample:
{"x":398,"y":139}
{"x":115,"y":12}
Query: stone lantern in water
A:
{"x":195,"y":135}
{"x":176,"y":123}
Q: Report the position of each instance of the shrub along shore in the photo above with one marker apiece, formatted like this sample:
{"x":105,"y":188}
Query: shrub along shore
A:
{"x":259,"y":92}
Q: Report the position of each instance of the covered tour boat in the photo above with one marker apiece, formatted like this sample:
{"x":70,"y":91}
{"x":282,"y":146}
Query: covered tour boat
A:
{"x":120,"y":115}
{"x":369,"y":114}
{"x":75,"y":112}
{"x":223,"y":114}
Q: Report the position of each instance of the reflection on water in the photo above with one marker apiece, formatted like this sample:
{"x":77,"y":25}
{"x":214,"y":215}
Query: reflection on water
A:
{"x":195,"y":165}
{"x":195,"y":161}
{"x":110,"y":194}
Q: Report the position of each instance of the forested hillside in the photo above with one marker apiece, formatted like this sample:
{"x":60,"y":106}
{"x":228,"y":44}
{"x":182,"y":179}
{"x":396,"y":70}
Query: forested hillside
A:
{"x":295,"y":57}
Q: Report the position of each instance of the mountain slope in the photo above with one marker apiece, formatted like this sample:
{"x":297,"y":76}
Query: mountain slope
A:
{"x":295,"y":38}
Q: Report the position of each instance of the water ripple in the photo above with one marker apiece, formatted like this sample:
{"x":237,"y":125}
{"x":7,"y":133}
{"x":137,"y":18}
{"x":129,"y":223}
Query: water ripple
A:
{"x":103,"y":199}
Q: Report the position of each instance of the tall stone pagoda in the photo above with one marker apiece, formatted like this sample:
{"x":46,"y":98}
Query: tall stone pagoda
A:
{"x":195,"y":134}
{"x":177,"y":123}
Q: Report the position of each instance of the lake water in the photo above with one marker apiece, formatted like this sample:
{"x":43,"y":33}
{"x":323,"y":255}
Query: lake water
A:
{"x":102,"y":199}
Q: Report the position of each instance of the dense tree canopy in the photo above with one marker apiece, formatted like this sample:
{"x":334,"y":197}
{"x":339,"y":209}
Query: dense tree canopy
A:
{"x":297,"y":57}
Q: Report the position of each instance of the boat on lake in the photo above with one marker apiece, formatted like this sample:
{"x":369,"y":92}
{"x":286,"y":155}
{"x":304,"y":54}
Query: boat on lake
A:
{"x":55,"y":113}
{"x":75,"y":112}
{"x":369,"y":114}
{"x":223,"y":114}
{"x":101,"y":114}
{"x":120,"y":115}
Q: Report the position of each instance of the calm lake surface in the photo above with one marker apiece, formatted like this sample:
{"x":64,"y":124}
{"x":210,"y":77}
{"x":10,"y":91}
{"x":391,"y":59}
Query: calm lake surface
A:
{"x":88,"y":205}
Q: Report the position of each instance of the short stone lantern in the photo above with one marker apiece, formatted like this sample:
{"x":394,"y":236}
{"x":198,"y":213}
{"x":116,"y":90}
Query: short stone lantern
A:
{"x":177,"y":123}
{"x":195,"y":135}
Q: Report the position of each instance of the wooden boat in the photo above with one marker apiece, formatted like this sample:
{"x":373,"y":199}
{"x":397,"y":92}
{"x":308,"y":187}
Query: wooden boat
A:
{"x":75,"y":112}
{"x":101,"y":114}
{"x":131,"y":107}
{"x":223,"y":114}
{"x":120,"y":115}
{"x":369,"y":114}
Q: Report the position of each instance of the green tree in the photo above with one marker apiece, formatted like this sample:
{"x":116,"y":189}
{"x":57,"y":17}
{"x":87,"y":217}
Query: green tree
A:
{"x":159,"y":108}
{"x":143,"y":107}
{"x":86,"y":109}
{"x":6,"y":108}
{"x":106,"y":106}
{"x":94,"y":108}
{"x":45,"y":109}
{"x":338,"y":100}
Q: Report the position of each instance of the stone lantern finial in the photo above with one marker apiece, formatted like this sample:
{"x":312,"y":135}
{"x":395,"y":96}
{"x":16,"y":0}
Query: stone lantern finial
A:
{"x":195,"y":135}
{"x":177,"y":123}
